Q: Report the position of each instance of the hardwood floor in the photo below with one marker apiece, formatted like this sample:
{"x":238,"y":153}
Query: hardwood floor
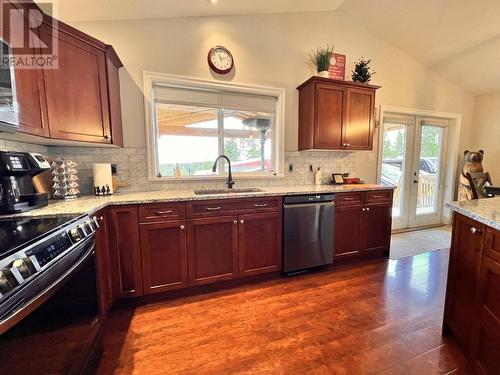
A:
{"x":378,"y":317}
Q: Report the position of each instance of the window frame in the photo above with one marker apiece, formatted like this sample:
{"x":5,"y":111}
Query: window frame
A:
{"x":150,"y":79}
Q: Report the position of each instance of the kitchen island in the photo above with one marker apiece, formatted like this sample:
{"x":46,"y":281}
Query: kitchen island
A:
{"x":472,"y":308}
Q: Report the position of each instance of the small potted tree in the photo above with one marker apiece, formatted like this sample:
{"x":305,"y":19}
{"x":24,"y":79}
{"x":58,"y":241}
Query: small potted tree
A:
{"x":320,"y":60}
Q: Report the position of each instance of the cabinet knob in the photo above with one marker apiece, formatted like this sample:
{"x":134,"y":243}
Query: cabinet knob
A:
{"x":474,"y":230}
{"x":182,"y":227}
{"x":242,"y":221}
{"x":363,"y":209}
{"x":235,"y":222}
{"x":106,"y":136}
{"x":367,"y":208}
{"x":348,"y":144}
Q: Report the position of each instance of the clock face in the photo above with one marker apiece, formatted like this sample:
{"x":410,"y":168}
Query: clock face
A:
{"x":220,"y":60}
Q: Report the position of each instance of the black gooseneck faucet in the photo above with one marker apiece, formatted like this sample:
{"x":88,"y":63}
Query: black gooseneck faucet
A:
{"x":230,"y":181}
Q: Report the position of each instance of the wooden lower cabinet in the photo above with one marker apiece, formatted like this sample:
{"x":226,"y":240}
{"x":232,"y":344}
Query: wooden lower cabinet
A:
{"x":472,"y":310}
{"x":377,"y":221}
{"x":212,"y":249}
{"x":362,"y":223}
{"x":486,"y":341}
{"x":103,"y":265}
{"x":347,"y":233}
{"x":125,"y":251}
{"x":259,"y":240}
{"x":164,"y":256}
{"x":465,"y":263}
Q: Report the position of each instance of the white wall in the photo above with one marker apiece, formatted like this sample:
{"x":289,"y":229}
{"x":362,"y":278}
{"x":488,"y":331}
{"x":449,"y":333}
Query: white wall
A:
{"x":486,"y":132}
{"x":271,"y":50}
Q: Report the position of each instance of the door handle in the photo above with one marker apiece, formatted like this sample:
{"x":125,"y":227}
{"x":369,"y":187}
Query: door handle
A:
{"x":415,"y":181}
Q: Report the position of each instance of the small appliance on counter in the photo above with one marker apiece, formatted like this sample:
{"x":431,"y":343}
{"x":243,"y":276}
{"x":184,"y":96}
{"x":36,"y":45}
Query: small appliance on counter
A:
{"x":17,"y":170}
{"x":65,"y":179}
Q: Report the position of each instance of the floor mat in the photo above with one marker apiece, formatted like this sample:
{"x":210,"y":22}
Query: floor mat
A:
{"x":422,"y":241}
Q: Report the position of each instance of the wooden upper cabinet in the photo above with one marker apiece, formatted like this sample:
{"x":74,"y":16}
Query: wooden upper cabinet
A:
{"x":359,"y":125}
{"x":336,"y":115}
{"x":76,"y":92}
{"x":79,"y":99}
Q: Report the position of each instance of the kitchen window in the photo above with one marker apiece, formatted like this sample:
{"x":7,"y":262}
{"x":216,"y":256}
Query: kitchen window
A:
{"x":191,"y":122}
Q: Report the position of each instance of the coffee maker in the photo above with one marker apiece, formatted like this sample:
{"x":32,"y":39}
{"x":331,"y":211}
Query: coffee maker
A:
{"x":17,"y":170}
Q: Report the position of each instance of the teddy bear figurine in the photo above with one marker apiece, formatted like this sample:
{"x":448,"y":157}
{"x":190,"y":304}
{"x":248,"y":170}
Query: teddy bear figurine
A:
{"x":473,"y":179}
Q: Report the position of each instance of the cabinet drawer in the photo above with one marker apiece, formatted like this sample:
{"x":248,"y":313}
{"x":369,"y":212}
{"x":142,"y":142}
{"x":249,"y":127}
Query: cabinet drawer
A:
{"x":161,"y":211}
{"x":232,"y":206}
{"x":348,"y":199}
{"x":379,"y":196}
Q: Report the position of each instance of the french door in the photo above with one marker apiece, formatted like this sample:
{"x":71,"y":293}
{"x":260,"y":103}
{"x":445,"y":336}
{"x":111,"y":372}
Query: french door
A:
{"x":413,"y":153}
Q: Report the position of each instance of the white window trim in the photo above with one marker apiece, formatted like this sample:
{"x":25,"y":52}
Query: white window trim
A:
{"x":151,"y":78}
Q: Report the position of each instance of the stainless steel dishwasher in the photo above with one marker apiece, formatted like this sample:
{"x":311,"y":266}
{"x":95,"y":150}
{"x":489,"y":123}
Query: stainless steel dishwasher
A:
{"x":307,"y":231}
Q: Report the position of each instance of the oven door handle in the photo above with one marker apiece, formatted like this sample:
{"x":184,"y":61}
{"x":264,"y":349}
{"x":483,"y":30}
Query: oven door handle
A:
{"x":23,"y":308}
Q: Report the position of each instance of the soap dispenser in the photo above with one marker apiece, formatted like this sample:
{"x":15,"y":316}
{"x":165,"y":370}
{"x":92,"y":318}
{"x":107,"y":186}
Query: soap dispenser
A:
{"x":317,"y":177}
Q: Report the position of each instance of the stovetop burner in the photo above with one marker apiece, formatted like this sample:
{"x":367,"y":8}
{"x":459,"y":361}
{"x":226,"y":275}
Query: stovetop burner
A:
{"x":18,"y":232}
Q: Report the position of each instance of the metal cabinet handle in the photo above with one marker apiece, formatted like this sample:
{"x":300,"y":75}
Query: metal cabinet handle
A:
{"x":367,"y":208}
{"x":213,"y":208}
{"x":348,"y":199}
{"x":242,"y":221}
{"x":348,"y":145}
{"x":415,"y":181}
{"x":377,"y":196}
{"x":474,"y":230}
{"x":261,"y":205}
{"x":363,"y":209}
{"x":163,"y":212}
{"x":182,"y":227}
{"x":235,"y":222}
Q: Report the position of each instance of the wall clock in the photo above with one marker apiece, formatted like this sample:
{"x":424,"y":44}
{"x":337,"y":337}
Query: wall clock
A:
{"x":220,"y":60}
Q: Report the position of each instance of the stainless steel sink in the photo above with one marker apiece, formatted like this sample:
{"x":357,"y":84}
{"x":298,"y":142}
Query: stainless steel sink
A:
{"x":226,"y":191}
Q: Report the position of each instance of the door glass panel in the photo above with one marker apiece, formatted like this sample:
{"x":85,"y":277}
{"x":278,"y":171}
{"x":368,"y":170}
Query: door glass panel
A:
{"x":431,"y":143}
{"x":393,"y":162}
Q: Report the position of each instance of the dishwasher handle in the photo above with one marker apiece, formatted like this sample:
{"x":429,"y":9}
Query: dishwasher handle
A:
{"x":331,"y":204}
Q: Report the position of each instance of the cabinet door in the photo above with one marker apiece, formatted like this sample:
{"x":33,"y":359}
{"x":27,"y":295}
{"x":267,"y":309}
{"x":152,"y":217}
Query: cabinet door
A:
{"x":103,"y":265}
{"x":358,"y":124}
{"x":486,"y":346}
{"x":465,"y":261}
{"x":125,"y":250}
{"x":329,"y":116}
{"x":212,"y":249}
{"x":347,"y":238}
{"x":259,"y":243}
{"x":76,"y":92}
{"x":164,"y":256}
{"x":376,"y":227}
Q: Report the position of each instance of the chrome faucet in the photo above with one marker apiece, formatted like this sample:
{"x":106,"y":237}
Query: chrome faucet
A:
{"x":230,"y":181}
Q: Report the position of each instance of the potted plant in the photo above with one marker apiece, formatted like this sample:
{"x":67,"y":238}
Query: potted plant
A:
{"x":362,"y":71}
{"x":320,"y":60}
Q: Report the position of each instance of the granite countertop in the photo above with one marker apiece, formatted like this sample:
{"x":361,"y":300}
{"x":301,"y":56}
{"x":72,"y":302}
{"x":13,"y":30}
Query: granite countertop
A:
{"x":486,"y":211}
{"x":91,"y":204}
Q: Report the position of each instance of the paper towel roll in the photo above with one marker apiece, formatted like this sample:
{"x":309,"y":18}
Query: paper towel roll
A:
{"x":102,"y":177}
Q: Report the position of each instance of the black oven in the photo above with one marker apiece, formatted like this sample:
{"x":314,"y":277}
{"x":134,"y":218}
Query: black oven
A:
{"x":50,"y":324}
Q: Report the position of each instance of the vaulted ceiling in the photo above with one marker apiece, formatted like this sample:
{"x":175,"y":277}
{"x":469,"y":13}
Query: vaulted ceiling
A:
{"x":459,"y":39}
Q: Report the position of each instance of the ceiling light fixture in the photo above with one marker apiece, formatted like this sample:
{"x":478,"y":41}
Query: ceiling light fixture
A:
{"x":212,"y":1}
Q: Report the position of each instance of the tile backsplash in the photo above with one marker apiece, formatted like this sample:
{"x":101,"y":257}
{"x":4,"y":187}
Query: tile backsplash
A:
{"x":132,"y":166}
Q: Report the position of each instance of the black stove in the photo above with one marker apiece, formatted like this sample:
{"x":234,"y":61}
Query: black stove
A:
{"x":15,"y":233}
{"x":48,"y":295}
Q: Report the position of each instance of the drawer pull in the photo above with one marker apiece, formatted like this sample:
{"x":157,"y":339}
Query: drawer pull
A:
{"x":261,"y":205}
{"x":242,"y":221}
{"x":163,"y":212}
{"x":235,"y":222}
{"x":213,"y":208}
{"x":348,"y":198}
{"x":377,"y":196}
{"x":182,"y":227}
